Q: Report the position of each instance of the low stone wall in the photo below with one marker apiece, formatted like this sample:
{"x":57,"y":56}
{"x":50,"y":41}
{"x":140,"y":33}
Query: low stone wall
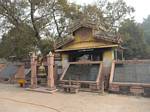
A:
{"x":132,"y":89}
{"x":11,"y":76}
{"x":134,"y":79}
{"x":86,"y":74}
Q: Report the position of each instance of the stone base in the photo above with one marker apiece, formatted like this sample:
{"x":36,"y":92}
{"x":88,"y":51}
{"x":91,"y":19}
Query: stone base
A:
{"x":136,"y":90}
{"x":42,"y":90}
{"x":51,"y":89}
{"x":71,"y":88}
{"x":114,"y":88}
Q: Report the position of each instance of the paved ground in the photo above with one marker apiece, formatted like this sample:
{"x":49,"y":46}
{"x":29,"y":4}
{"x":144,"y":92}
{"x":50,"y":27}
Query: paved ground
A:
{"x":14,"y":99}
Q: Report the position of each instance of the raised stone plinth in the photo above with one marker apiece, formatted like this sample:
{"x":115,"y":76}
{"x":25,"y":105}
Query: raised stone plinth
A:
{"x":42,"y":89}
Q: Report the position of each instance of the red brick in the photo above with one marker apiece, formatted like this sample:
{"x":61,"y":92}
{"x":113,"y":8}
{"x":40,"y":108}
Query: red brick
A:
{"x":114,"y":88}
{"x":136,"y":90}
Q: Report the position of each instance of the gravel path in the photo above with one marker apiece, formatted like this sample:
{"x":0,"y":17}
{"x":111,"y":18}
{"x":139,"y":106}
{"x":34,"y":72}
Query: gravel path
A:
{"x":15,"y":99}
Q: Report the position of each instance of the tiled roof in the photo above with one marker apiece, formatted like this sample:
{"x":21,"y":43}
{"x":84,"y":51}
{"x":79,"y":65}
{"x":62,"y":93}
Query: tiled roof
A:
{"x":84,"y":23}
{"x":100,"y":34}
{"x":108,"y":37}
{"x":61,"y":43}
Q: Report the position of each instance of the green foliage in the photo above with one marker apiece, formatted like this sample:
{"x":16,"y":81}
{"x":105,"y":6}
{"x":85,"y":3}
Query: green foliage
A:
{"x":18,"y":42}
{"x":107,"y":14}
{"x":25,"y":23}
{"x":46,"y":46}
{"x":115,"y":13}
{"x":132,"y":35}
{"x":146,"y":27}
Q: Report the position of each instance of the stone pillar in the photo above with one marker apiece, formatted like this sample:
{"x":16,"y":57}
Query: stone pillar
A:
{"x":50,"y":78}
{"x":108,"y":57}
{"x":33,"y":71}
{"x":65,"y":58}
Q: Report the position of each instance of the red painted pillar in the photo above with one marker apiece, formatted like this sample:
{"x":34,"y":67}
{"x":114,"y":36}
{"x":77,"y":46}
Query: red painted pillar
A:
{"x":33,"y":71}
{"x":50,"y":78}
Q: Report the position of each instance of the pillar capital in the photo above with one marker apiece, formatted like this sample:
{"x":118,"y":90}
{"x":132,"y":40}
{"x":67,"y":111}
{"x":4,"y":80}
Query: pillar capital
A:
{"x":33,"y":55}
{"x":50,"y":54}
{"x":50,"y":59}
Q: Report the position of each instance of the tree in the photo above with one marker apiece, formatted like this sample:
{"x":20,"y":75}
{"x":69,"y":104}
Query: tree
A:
{"x":115,"y":13}
{"x":43,"y":16}
{"x":18,"y":42}
{"x":132,"y":35}
{"x":49,"y":19}
{"x":146,"y":28}
{"x":106,"y":14}
{"x":62,"y":13}
{"x":45,"y":19}
{"x":47,"y":46}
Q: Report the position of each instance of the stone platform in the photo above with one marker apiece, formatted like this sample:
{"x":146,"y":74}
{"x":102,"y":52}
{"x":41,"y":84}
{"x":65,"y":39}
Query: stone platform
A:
{"x":42,"y":90}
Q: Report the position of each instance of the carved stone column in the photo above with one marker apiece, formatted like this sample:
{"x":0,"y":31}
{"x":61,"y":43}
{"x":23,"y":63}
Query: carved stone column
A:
{"x":50,"y":78}
{"x":33,"y":71}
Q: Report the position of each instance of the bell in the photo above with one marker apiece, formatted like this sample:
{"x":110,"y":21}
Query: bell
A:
{"x":41,"y":70}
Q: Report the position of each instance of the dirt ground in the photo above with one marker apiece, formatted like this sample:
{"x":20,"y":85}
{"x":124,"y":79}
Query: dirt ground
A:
{"x":15,"y":99}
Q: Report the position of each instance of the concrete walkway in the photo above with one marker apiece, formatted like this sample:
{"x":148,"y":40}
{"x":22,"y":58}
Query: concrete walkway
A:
{"x":15,"y":99}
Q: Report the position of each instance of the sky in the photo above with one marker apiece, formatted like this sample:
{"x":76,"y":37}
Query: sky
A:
{"x":142,"y":7}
